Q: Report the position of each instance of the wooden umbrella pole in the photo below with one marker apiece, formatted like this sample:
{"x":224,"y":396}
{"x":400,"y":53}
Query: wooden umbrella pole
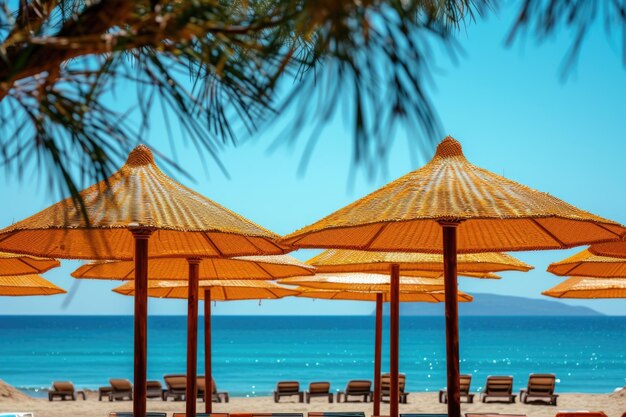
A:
{"x":394,"y":343}
{"x":452,"y":317}
{"x":192,"y":337}
{"x":378,"y":352}
{"x":208,"y":372}
{"x":141,"y":236}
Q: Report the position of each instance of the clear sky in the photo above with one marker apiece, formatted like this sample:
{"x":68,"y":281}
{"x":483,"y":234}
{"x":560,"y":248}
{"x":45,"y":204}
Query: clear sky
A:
{"x":510,"y":109}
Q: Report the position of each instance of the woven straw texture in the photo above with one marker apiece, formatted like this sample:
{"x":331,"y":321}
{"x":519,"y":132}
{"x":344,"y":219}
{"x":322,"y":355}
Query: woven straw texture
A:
{"x":221,"y":290}
{"x":613,"y":249}
{"x":405,"y":297}
{"x":496,"y":214}
{"x":363,"y":282}
{"x":16,"y":264}
{"x":21,"y":285}
{"x":586,"y":264}
{"x":139,"y":194}
{"x":435,"y":274}
{"x":585,"y":287}
{"x":338,"y":260}
{"x":246,"y":267}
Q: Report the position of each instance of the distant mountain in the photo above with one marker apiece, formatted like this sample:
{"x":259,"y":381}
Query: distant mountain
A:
{"x":498,"y":305}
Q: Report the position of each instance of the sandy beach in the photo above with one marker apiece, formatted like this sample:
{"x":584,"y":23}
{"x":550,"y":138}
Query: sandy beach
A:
{"x":612,"y":404}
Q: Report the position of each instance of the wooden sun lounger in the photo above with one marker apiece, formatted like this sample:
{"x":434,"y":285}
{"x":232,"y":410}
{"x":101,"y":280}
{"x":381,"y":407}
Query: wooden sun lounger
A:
{"x":176,"y":387}
{"x":500,"y":388}
{"x":216,"y":397}
{"x":356,"y":388}
{"x":540,"y":388}
{"x":385,"y":387}
{"x":337,"y":414}
{"x":121,"y":389}
{"x":466,"y":381}
{"x":65,"y":391}
{"x":319,"y":389}
{"x":288,"y":389}
{"x":104,"y":392}
{"x":154,"y":389}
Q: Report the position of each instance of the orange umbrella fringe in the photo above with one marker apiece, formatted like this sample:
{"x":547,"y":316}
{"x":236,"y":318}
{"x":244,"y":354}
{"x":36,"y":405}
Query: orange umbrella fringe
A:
{"x":589,"y":288}
{"x":27,"y":285}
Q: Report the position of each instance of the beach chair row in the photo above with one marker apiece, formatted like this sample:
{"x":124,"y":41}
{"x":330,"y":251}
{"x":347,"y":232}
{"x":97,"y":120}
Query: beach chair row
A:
{"x":500,"y":388}
{"x":359,"y":388}
{"x":122,"y":389}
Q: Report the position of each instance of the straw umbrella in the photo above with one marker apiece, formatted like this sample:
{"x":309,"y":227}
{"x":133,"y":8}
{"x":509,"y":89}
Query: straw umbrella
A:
{"x":24,"y":285}
{"x":17,"y":264}
{"x":586,"y":264}
{"x":241,"y":268}
{"x":353,"y":295}
{"x":172,"y":269}
{"x":422,"y":212}
{"x":359,"y":281}
{"x":614,"y":249}
{"x":374,"y":283}
{"x":407,"y":294}
{"x":214,"y":290}
{"x":138,"y":213}
{"x":584,"y":287}
{"x":219,"y":290}
{"x":476,"y":265}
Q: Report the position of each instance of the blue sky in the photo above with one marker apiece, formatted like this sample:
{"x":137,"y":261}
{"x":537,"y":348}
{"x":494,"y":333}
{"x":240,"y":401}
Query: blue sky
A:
{"x":508,"y":106}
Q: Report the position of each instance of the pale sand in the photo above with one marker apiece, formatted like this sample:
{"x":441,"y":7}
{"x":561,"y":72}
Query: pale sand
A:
{"x":613,"y":405}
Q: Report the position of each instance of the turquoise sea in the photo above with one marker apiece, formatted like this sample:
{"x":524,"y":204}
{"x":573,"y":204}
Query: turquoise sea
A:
{"x":251,"y":353}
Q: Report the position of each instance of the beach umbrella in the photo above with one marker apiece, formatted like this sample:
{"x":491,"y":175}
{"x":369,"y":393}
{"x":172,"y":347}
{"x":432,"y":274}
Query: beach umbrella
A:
{"x":214,"y":290}
{"x":585,"y":287}
{"x":18,"y":264}
{"x":359,"y":281}
{"x":269,"y":267}
{"x":138,"y":213}
{"x":476,"y":265}
{"x":241,"y":268}
{"x":406,"y":295}
{"x":450,"y":206}
{"x":479,"y":265}
{"x":586,"y":264}
{"x":23,"y":285}
{"x":217,"y":290}
{"x":614,"y":249}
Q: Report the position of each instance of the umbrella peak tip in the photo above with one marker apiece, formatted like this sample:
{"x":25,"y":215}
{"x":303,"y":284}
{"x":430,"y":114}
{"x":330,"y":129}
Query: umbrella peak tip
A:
{"x":449,"y":147}
{"x":141,"y":155}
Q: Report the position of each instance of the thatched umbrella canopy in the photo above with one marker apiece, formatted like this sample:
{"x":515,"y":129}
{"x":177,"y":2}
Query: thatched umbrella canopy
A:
{"x":450,"y":206}
{"x":137,"y":213}
{"x":24,"y":285}
{"x":19,"y":264}
{"x":585,"y":287}
{"x":475,"y":265}
{"x":586,"y":264}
